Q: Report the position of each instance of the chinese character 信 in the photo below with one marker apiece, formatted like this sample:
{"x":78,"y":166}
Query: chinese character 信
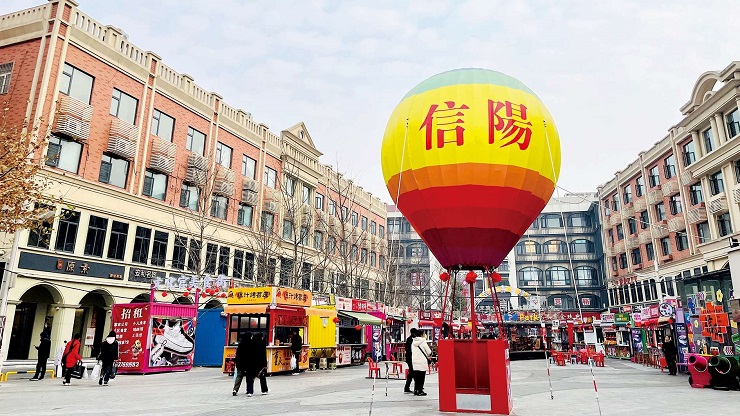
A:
{"x":447,"y":119}
{"x":513,"y":124}
{"x":70,"y":267}
{"x":84,"y":268}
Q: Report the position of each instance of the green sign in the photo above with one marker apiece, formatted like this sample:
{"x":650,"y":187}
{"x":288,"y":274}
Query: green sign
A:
{"x":621,"y":318}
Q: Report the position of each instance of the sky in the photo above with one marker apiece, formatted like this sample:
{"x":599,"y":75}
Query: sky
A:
{"x":612,"y":73}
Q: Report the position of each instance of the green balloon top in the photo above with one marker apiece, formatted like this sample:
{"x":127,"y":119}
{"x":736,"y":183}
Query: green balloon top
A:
{"x":468,"y":76}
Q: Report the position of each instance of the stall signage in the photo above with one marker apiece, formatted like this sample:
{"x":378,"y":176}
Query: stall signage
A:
{"x":425,"y":315}
{"x":645,"y":314}
{"x":627,"y":308}
{"x":291,"y":320}
{"x":654,"y":311}
{"x":521,"y":317}
{"x":81,"y":268}
{"x":344,"y":304}
{"x":666,"y":309}
{"x":130,"y":324}
{"x":714,"y":322}
{"x":249,"y":296}
{"x":637,"y":317}
{"x":295,"y":297}
{"x":279,"y":359}
{"x":359,"y":305}
{"x":181,"y":282}
{"x":621,"y":318}
{"x":607,"y":317}
{"x":320,"y":300}
{"x":136,"y":274}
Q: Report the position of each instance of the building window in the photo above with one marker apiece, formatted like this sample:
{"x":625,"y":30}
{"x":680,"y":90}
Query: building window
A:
{"x":702,"y":231}
{"x":179,"y":253}
{"x":344,"y":214}
{"x":40,"y":235}
{"x":211,"y":253}
{"x":733,"y":123}
{"x":287,"y":230}
{"x":551,"y":221}
{"x":528,"y":247}
{"x":660,"y":211}
{"x":123,"y":106}
{"x":223,"y":155}
{"x":632,"y":225}
{"x":223,"y":260}
{"x":654,"y":177}
{"x":290,"y":185}
{"x":582,"y":246}
{"x":373,"y":259}
{"x":306,"y":194}
{"x":141,"y":245}
{"x":96,"y":236}
{"x":244,"y":216}
{"x":219,"y":206}
{"x":610,"y":233}
{"x":189,"y":196}
{"x":620,"y":232}
{"x":64,"y":154}
{"x":614,"y":263}
{"x":117,"y":242}
{"x":675,"y":204}
{"x":695,"y":194}
{"x":682,"y":242}
{"x":650,"y":251}
{"x":737,"y":171}
{"x":373,"y":227}
{"x":586,"y":276}
{"x":304,"y":235}
{"x":249,"y":167}
{"x":644,"y":220}
{"x":554,"y":247}
{"x":665,"y":246}
{"x":249,"y":266}
{"x":530,"y":276}
{"x":155,"y":185}
{"x":319,"y":201}
{"x":196,"y":142}
{"x":363,"y":223}
{"x":557,"y":276}
{"x":363,"y":256}
{"x":69,"y":223}
{"x":162,"y":125}
{"x":623,"y":261}
{"x":708,"y":140}
{"x":76,"y":84}
{"x":238,"y":264}
{"x":194,"y":253}
{"x":627,"y":194}
{"x":267,"y":222}
{"x":724,"y":225}
{"x":579,"y":220}
{"x":270,"y":177}
{"x":636,"y":256}
{"x":615,"y":203}
{"x":689,"y":154}
{"x":113,"y":171}
{"x":381,"y":261}
{"x":381,"y":231}
{"x":639,"y":186}
{"x":159,"y":248}
{"x":607,"y":210}
{"x":716,"y":185}
{"x":6,"y":70}
{"x":669,"y":165}
{"x":355,"y":219}
{"x":318,"y":240}
{"x":331,"y":245}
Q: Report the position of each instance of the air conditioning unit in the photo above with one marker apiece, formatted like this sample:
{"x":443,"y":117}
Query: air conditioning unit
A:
{"x":250,"y":197}
{"x":272,"y":206}
{"x":72,"y":127}
{"x":162,"y":163}
{"x":121,"y":147}
{"x":195,"y":176}
{"x":197,"y":162}
{"x":251,"y":185}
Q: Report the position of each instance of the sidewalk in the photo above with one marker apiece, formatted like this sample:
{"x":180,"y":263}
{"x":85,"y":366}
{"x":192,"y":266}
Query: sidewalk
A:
{"x":20,"y":369}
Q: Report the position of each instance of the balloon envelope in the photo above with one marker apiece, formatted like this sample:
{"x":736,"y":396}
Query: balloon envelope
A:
{"x":470,"y":157}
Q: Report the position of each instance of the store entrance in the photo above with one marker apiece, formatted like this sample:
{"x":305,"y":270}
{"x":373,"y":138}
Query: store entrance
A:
{"x":22,"y":332}
{"x":32,"y":315}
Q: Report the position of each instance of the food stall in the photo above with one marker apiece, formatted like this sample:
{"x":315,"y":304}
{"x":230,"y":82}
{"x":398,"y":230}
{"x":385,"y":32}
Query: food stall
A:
{"x":351,"y":335}
{"x":273,"y":311}
{"x":396,"y":332}
{"x":322,"y":327}
{"x":154,"y":337}
{"x":378,"y":344}
{"x":616,"y":335}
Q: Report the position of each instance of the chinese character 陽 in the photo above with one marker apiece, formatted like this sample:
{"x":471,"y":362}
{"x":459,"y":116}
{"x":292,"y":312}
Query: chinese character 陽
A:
{"x":447,"y":119}
{"x":70,"y":267}
{"x":84,"y":268}
{"x":513,"y":124}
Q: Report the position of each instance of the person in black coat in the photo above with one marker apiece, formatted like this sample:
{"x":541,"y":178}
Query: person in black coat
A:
{"x":412,"y":334}
{"x":257,"y":364}
{"x":296,"y":345}
{"x":108,"y":355}
{"x":44,"y":349}
{"x":670,"y":352}
{"x":241,"y":361}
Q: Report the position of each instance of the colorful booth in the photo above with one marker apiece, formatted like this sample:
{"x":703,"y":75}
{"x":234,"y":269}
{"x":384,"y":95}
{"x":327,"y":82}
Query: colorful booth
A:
{"x":352,"y":338}
{"x":322,"y":329}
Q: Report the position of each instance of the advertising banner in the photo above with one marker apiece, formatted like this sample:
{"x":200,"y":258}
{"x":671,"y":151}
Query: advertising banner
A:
{"x":637,"y":341}
{"x":682,"y":342}
{"x":377,"y":343}
{"x":344,"y":304}
{"x":279,"y":359}
{"x":172,"y":341}
{"x":130,"y":324}
{"x":344,"y":355}
{"x":359,"y":305}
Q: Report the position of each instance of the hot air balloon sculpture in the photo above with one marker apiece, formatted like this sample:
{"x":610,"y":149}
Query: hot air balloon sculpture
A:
{"x":471,"y":157}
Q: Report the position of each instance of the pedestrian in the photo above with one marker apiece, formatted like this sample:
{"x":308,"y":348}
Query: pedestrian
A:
{"x":71,"y":357}
{"x":669,"y":352}
{"x":241,"y":360}
{"x":409,"y":354}
{"x":296,"y":345}
{"x":420,"y":361}
{"x":58,"y":364}
{"x":257,"y":364}
{"x":44,"y":349}
{"x":108,"y":355}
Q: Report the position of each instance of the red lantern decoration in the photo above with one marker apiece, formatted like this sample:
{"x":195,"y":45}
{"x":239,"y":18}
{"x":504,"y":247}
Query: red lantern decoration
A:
{"x":471,"y":277}
{"x":357,"y":327}
{"x":203,"y":294}
{"x":186,"y":293}
{"x":223,"y":295}
{"x":495,"y":277}
{"x":410,"y":321}
{"x":164,"y":294}
{"x":388,"y":322}
{"x":335,"y":320}
{"x":444,"y":276}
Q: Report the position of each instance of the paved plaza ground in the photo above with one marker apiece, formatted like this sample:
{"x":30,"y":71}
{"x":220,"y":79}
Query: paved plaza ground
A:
{"x":624,"y":389}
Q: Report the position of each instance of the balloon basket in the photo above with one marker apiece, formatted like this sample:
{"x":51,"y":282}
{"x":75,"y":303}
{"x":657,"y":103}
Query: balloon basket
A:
{"x":474,"y":376}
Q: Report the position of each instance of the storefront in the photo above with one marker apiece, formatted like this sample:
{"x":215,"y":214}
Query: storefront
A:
{"x":275,"y":312}
{"x":322,"y":327}
{"x":378,"y":344}
{"x":616,"y":335}
{"x":351,"y":336}
{"x":395,"y":332}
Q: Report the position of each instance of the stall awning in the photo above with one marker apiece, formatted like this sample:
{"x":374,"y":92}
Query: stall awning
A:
{"x":362,"y":317}
{"x":320,"y":312}
{"x":246,"y":308}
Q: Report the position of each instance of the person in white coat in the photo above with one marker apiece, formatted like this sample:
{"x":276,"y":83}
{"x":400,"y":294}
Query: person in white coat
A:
{"x":420,"y":356}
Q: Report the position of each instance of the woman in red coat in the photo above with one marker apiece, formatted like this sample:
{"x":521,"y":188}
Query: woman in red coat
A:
{"x":71,"y":357}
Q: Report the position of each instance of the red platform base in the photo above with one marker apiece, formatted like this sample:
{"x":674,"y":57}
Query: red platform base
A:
{"x":474,"y":376}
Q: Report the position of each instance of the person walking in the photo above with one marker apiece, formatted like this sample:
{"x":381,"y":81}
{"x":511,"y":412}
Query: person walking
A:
{"x":58,"y":362}
{"x":108,"y":355}
{"x":71,"y":357}
{"x":670,"y":352}
{"x":44,"y":349}
{"x":241,"y":362}
{"x":420,"y":362}
{"x":409,"y":354}
{"x":296,"y":345}
{"x":257,"y":364}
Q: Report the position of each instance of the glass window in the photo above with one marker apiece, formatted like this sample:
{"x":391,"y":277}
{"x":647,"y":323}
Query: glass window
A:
{"x":381,"y":231}
{"x":355,"y":219}
{"x":267,"y":223}
{"x":527,"y":247}
{"x":610,"y":233}
{"x":530,"y":276}
{"x":675,"y":204}
{"x":557,"y":276}
{"x":695,"y":194}
{"x":669,"y":165}
{"x":650,"y":251}
{"x":123,"y":106}
{"x":682,"y":242}
{"x":223,"y":260}
{"x":238,"y":265}
{"x":716,"y":185}
{"x":304,"y":235}
{"x":615,"y":203}
{"x":665,"y":246}
{"x":249,"y":167}
{"x":40,"y":235}
{"x":141,"y":245}
{"x":76,"y":84}
{"x":689,"y":154}
{"x":155,"y":185}
{"x":654,"y":177}
{"x":6,"y":70}
{"x":733,"y":123}
{"x":644,"y":220}
{"x":554,"y":247}
{"x":159,"y":248}
{"x":724,"y":225}
{"x":318,"y":240}
{"x":270,"y":177}
{"x":381,"y":261}
{"x":194,"y":255}
{"x":287,"y":230}
{"x":244,"y":216}
{"x":632,"y":225}
{"x":179,"y":252}
{"x":332,"y":207}
{"x":582,"y":246}
{"x":627,"y":194}
{"x":363,"y":256}
{"x":189,"y":196}
{"x":708,"y":140}
{"x":69,"y":223}
{"x":331,"y":245}
{"x":64,"y":154}
{"x":319,"y":201}
{"x":639,"y":186}
{"x":660,"y":211}
{"x":196,"y":142}
{"x":702,"y":231}
{"x":551,"y":221}
{"x":219,"y":206}
{"x":737,"y":171}
{"x":623,"y":261}
{"x":579,"y":220}
{"x":636,"y":256}
{"x":223,"y":155}
{"x":211,"y":254}
{"x":290,"y":185}
{"x":373,"y":260}
{"x":620,"y":232}
{"x":363,"y":223}
{"x":113,"y":171}
{"x":305,"y":194}
{"x":586,"y":276}
{"x":95,"y":240}
{"x":373,"y":227}
{"x":162,"y":125}
{"x":117,"y":242}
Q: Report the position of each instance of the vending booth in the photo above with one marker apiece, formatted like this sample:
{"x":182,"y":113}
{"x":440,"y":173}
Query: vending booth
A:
{"x":273,"y":311}
{"x":322,"y":328}
{"x":154,"y":337}
{"x":351,"y":337}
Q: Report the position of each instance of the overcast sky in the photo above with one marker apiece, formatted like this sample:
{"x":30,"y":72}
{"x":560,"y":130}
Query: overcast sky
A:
{"x":612,"y":73}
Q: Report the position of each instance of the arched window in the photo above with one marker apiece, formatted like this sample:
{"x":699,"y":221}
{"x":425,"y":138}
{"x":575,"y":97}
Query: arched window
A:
{"x":581,"y":246}
{"x":530,"y":276}
{"x":558,"y":276}
{"x":554,"y":247}
{"x":551,"y":221}
{"x":579,"y":220}
{"x":586,"y":276}
{"x":528,"y":247}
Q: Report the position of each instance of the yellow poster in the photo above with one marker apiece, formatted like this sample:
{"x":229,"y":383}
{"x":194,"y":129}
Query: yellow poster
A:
{"x":278,"y":359}
{"x":249,"y":296}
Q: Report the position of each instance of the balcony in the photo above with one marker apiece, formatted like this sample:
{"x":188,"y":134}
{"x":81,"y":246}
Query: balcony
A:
{"x":195,"y":176}
{"x":73,"y":118}
{"x":250,"y":197}
{"x":640,"y":204}
{"x":121,"y":146}
{"x":686,"y":178}
{"x":251,"y":185}
{"x":736,"y":195}
{"x":660,"y":229}
{"x":676,"y":224}
{"x":223,"y":183}
{"x":583,"y":256}
{"x":655,"y":195}
{"x":163,"y":155}
{"x":644,"y":237}
{"x":615,"y":219}
{"x":632,"y":241}
{"x":628,"y":210}
{"x":718,"y":205}
{"x":197,"y":162}
{"x":697,"y":214}
{"x":670,"y":187}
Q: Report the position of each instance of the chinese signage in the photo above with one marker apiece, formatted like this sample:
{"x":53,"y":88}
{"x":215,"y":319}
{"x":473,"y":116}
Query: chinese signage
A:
{"x":417,"y":278}
{"x":82,"y":268}
{"x":350,"y":354}
{"x":714,"y":322}
{"x":359,"y":305}
{"x":279,"y":359}
{"x":268,"y":295}
{"x":607,"y":317}
{"x":130,"y":324}
{"x":182,"y":282}
{"x":344,"y":304}
{"x":291,"y":320}
{"x":136,"y":274}
{"x":621,"y":318}
{"x":296,"y":297}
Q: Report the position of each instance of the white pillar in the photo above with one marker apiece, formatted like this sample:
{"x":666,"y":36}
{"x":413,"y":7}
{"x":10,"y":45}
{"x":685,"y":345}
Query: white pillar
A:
{"x":721,"y":130}
{"x":10,"y":311}
{"x":733,"y":255}
{"x":63,"y":325}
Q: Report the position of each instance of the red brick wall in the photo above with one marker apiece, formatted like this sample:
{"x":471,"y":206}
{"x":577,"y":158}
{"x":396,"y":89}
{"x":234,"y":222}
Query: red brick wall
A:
{"x":24,"y":56}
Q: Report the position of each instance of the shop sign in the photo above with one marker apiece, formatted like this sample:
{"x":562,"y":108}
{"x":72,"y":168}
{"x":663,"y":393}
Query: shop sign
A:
{"x":320,"y":300}
{"x":344,"y":304}
{"x":359,"y":305}
{"x":654,"y":311}
{"x":607,"y":317}
{"x":714,"y":322}
{"x":645,"y":314}
{"x":425,"y":315}
{"x":521,"y":317}
{"x":586,"y":301}
{"x":130,"y":324}
{"x":82,"y":268}
{"x":621,"y":318}
{"x":182,"y":282}
{"x":627,"y":308}
{"x":557,"y":301}
{"x":666,"y":309}
{"x":291,"y":320}
{"x":279,"y":359}
{"x":249,"y":296}
{"x":136,"y":274}
{"x":295,"y":297}
{"x":637,"y":317}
